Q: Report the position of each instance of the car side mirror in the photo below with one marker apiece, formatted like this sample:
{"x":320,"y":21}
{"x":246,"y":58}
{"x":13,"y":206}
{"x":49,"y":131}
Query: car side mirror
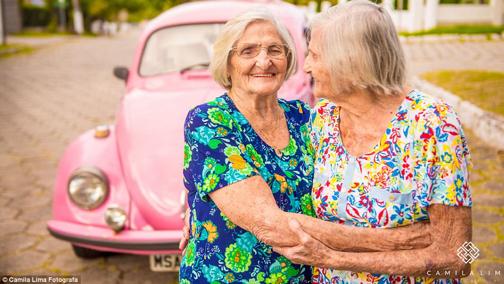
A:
{"x":121,"y":73}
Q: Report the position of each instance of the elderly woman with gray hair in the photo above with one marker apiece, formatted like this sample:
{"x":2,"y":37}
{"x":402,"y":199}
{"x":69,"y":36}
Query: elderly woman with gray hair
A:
{"x":385,"y":156}
{"x":249,"y":167}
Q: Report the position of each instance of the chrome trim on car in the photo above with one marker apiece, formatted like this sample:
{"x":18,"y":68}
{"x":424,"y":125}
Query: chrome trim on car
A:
{"x":150,"y":246}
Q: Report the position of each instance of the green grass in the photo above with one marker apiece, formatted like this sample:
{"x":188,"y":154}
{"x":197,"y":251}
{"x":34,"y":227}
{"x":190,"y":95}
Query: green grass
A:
{"x":39,"y":33}
{"x":458,"y":29}
{"x":46,"y":34}
{"x":482,"y":88}
{"x":14,"y":49}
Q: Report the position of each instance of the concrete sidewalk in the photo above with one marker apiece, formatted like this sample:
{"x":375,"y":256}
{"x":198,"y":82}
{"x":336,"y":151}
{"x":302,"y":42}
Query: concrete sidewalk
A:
{"x":40,"y":41}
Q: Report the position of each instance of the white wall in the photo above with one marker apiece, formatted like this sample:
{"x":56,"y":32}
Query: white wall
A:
{"x":426,"y":14}
{"x":464,"y":14}
{"x":402,"y":20}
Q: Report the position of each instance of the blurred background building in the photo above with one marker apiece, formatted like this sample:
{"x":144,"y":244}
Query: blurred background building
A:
{"x":11,"y":16}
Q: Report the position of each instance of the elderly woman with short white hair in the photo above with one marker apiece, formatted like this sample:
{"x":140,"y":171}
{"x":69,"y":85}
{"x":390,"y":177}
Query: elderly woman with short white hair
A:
{"x":249,"y":167}
{"x":386,"y":156}
{"x":239,"y":145}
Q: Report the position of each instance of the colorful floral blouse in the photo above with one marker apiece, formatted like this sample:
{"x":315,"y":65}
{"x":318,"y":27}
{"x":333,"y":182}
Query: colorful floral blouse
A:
{"x":421,"y":160}
{"x":222,"y":148}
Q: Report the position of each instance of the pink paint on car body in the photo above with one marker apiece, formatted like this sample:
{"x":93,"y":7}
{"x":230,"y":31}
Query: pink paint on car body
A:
{"x":141,"y":158}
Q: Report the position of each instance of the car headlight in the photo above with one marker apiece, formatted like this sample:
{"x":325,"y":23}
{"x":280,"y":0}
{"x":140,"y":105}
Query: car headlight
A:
{"x":115,"y":217}
{"x":88,"y":188}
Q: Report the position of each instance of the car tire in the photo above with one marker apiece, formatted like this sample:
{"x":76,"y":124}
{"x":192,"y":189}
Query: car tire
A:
{"x":86,"y":253}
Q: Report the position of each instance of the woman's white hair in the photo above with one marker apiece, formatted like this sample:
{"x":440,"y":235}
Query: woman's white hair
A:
{"x":233,"y":31}
{"x":361,"y":48}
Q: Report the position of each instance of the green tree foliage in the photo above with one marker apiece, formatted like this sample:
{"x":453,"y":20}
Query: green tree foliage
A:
{"x":137,"y":9}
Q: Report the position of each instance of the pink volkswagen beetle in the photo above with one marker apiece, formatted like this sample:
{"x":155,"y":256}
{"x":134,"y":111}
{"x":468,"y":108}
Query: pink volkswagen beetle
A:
{"x":119,"y":187}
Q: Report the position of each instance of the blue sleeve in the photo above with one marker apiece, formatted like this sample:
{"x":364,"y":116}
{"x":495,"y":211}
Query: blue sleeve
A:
{"x":304,"y":195}
{"x":214,"y":156}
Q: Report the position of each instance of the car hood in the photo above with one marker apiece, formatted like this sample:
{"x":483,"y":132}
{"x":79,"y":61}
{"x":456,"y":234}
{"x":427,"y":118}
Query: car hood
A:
{"x":150,"y":135}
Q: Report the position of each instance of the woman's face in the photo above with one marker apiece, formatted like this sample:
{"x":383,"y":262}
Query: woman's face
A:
{"x":315,"y":66}
{"x":265,"y":73}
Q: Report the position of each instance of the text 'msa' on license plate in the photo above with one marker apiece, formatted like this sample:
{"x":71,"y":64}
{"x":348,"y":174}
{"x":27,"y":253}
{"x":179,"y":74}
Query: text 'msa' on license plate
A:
{"x":165,"y":262}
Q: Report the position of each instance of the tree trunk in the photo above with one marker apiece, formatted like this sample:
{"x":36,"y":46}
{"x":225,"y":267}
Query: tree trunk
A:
{"x":2,"y":26}
{"x":77,"y":17}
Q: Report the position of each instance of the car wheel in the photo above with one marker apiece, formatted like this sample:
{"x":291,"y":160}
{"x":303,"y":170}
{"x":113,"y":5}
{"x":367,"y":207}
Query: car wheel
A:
{"x":88,"y":253}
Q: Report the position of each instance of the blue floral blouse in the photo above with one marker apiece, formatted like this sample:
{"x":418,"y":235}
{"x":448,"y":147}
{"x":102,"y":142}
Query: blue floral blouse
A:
{"x":222,"y":148}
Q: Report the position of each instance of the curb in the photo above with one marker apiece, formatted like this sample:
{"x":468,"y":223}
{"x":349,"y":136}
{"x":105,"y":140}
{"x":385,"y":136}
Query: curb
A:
{"x":487,"y":126}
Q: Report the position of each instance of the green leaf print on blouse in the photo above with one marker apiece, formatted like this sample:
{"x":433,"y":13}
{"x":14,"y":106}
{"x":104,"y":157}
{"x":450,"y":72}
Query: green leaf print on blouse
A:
{"x":229,"y":224}
{"x":190,"y":254}
{"x":277,"y":278}
{"x":237,"y":258}
{"x":187,"y":155}
{"x":212,"y":167}
{"x":291,"y":148}
{"x":220,"y":117}
{"x":258,"y":280}
{"x":307,"y":206}
{"x":219,"y":102}
{"x":214,"y":143}
{"x":238,"y":255}
{"x":210,"y":182}
{"x":256,"y":158}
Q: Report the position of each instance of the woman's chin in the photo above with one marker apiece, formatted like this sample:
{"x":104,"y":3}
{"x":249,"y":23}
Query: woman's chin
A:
{"x":265,"y":91}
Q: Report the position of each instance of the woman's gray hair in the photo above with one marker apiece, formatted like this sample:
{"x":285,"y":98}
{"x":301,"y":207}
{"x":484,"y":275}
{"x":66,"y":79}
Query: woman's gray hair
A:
{"x":361,"y":48}
{"x":233,"y":31}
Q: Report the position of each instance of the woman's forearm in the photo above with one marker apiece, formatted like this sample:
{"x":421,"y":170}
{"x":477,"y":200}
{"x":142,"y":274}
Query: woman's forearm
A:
{"x":354,"y":239}
{"x":250,"y":205}
{"x":271,"y":227}
{"x":450,"y":228}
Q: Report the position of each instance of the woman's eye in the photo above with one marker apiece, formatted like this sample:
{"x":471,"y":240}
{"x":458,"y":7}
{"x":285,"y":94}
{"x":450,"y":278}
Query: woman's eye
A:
{"x":248,"y":50}
{"x":275,"y":50}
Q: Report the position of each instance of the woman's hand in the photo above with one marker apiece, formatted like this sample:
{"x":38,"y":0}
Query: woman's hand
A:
{"x":309,"y":250}
{"x":185,"y":231}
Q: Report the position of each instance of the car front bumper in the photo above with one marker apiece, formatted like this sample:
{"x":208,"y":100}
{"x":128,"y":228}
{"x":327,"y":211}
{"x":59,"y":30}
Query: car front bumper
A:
{"x":127,"y":241}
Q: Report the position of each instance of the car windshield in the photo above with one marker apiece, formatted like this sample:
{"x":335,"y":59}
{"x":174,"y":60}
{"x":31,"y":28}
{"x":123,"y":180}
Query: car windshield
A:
{"x":179,"y":48}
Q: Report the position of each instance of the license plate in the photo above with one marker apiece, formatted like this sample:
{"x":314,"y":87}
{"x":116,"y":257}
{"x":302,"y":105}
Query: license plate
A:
{"x":165,"y":262}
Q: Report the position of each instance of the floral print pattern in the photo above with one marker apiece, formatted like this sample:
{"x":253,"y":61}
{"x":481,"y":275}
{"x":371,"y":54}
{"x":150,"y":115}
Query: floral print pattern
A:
{"x":222,"y":148}
{"x":422,"y":159}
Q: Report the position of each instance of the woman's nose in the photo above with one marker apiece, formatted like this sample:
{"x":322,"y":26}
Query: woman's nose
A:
{"x":263,"y":60}
{"x":307,"y":65}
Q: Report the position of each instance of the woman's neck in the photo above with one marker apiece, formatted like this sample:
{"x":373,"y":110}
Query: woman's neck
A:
{"x":363,"y":105}
{"x":254,"y":105}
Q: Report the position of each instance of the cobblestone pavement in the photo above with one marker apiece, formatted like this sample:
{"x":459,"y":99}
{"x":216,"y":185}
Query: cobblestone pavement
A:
{"x":482,"y":55}
{"x":49,"y":97}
